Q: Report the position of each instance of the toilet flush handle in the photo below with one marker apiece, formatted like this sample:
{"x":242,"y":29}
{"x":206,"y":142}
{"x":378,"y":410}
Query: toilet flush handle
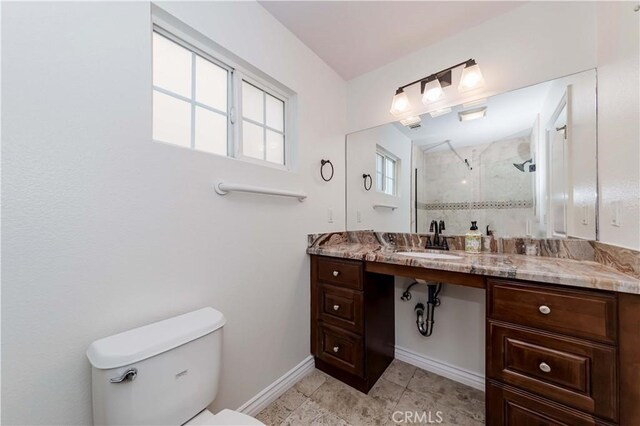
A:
{"x":127,"y":376}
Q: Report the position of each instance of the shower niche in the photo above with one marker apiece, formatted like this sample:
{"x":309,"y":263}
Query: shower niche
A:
{"x":520,"y":163}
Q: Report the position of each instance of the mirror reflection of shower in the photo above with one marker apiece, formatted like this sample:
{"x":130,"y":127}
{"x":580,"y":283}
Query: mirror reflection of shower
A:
{"x":465,"y":161}
{"x":476,"y":182}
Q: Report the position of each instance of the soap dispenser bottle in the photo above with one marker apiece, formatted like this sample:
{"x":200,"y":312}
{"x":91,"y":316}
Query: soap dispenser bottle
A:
{"x":473,"y":239}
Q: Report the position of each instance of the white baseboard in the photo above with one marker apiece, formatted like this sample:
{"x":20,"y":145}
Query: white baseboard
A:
{"x":277,"y":388}
{"x":284,"y":383}
{"x":440,"y":368}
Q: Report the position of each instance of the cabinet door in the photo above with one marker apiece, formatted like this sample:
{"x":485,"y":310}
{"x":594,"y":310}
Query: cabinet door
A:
{"x":341,"y":307}
{"x":345,"y":273}
{"x":341,"y":349}
{"x":508,"y":406}
{"x":574,"y":372}
{"x":587,"y":314}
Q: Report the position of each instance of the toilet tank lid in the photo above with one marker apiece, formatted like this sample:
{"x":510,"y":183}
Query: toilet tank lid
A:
{"x":153,"y":339}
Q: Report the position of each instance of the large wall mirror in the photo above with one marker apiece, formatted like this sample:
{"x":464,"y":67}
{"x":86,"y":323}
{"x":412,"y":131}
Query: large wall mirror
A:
{"x":522,"y":163}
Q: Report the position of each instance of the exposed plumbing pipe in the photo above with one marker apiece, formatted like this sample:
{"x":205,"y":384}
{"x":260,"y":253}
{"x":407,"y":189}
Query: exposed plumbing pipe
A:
{"x":425,"y":324}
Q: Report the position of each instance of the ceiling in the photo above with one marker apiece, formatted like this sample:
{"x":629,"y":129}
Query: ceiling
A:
{"x":509,"y":115}
{"x":355,"y":37}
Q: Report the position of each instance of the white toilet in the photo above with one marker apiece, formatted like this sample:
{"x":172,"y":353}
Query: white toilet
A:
{"x":165,"y":373}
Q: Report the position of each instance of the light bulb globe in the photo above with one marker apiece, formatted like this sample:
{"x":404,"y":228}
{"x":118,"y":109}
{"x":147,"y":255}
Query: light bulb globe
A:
{"x":400,"y":103}
{"x":432,"y":91}
{"x":471,"y":78}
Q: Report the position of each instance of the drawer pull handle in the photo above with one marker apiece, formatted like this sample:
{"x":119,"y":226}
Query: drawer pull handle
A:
{"x":544,"y":310}
{"x":545,"y":367}
{"x":336,"y":349}
{"x":336,"y":307}
{"x":336,"y":273}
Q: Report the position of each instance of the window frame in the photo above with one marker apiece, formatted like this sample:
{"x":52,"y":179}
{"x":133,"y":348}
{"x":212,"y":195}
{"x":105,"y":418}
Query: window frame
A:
{"x":239,"y":154}
{"x":386,"y":155}
{"x":236,"y":74}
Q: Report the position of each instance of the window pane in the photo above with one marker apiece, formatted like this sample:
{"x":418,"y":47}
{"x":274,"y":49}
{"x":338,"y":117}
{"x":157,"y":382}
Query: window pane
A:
{"x":275,"y":147}
{"x":211,"y":84}
{"x":379,"y":181}
{"x":390,"y":168}
{"x":211,"y":131}
{"x":389,"y":188}
{"x":275,"y":113}
{"x":252,"y":102}
{"x":252,"y":140}
{"x":171,"y":120}
{"x":379,"y":163}
{"x":171,"y":66}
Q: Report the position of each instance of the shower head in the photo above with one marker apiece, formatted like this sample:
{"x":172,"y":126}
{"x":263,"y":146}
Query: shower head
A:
{"x":520,"y":166}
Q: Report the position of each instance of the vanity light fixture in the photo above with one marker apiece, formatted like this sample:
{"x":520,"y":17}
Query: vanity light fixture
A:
{"x":439,"y":112}
{"x":472,"y":114}
{"x":431,"y":86}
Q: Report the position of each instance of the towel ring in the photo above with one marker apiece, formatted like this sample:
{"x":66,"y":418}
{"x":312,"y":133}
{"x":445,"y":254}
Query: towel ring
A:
{"x":323,"y":163}
{"x":365,"y":177}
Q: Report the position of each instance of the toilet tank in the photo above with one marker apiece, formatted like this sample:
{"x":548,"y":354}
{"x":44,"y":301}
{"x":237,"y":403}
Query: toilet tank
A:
{"x":173,"y":370}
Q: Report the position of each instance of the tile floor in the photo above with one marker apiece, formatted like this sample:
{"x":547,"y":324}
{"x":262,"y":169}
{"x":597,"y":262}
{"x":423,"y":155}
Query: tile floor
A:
{"x":319,"y":399}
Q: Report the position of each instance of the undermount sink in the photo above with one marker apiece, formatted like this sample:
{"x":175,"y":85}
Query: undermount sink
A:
{"x":429,"y":255}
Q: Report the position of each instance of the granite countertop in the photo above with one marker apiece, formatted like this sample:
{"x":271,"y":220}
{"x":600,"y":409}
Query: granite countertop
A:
{"x":577,"y":273}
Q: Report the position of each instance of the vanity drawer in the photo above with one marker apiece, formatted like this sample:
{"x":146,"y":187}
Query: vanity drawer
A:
{"x":341,"y":307}
{"x":570,"y":371}
{"x":507,"y":406}
{"x":346,"y":273}
{"x":341,"y":349}
{"x":574,"y":312}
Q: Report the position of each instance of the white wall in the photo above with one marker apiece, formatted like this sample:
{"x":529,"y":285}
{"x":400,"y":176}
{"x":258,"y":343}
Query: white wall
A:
{"x":536,"y":42}
{"x":104,"y":230}
{"x":361,"y":159}
{"x":618,"y":122}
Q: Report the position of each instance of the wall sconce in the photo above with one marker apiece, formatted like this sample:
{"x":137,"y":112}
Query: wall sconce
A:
{"x":431,"y":87}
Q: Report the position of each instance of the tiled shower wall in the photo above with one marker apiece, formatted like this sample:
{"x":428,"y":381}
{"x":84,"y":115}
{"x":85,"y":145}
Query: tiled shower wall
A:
{"x":490,"y":191}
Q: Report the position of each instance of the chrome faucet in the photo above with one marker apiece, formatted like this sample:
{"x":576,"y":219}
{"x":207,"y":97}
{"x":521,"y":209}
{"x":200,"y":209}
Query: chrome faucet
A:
{"x":438,"y":243}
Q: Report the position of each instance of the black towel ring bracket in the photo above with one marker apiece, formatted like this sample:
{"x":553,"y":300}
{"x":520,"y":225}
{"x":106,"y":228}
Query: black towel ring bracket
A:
{"x":323,"y":163}
{"x":365,"y":177}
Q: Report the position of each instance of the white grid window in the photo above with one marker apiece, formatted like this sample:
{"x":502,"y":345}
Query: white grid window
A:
{"x":262,"y":124}
{"x":196,"y":98}
{"x":190,"y":98}
{"x":386,"y":166}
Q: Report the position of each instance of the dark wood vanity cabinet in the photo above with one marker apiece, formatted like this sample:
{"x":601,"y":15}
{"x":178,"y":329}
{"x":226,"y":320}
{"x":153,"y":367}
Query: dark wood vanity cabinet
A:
{"x":352,"y":321}
{"x":555,"y":355}
{"x":552,"y":356}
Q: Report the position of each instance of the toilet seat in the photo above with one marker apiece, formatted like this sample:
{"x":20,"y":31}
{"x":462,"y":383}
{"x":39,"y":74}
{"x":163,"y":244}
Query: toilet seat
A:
{"x":224,"y":417}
